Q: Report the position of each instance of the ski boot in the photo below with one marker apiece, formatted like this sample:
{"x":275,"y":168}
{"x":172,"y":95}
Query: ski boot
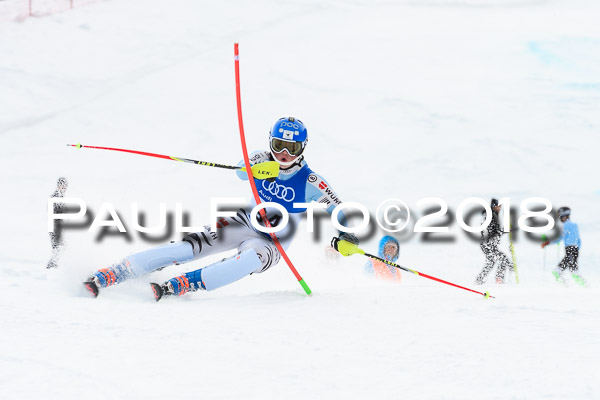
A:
{"x":177,"y":286}
{"x":105,"y":277}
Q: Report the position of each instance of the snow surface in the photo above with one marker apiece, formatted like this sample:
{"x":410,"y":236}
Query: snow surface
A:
{"x":406,"y":99}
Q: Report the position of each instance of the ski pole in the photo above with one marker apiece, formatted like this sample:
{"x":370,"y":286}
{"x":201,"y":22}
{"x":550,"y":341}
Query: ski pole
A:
{"x":264,"y":170}
{"x":251,"y":178}
{"x":544,"y":238}
{"x":346,"y":248}
{"x":512,"y":251}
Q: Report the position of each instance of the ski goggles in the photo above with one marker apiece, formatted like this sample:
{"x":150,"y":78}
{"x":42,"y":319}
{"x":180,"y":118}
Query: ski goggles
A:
{"x":294,"y":148}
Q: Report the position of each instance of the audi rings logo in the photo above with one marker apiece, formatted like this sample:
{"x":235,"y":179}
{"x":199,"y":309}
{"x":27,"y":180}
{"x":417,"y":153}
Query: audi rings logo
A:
{"x":284,"y":193}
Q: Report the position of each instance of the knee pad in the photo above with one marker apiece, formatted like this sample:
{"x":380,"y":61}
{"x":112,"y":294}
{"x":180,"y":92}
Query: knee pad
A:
{"x":265,"y":250}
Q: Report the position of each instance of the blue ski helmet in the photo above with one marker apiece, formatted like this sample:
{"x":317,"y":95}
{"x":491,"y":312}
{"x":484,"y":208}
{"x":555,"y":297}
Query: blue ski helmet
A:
{"x":564,"y":212}
{"x":290,"y":134}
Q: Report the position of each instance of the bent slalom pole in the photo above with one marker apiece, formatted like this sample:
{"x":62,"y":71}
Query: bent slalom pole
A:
{"x":346,"y":248}
{"x":512,"y":251}
{"x":251,"y":178}
{"x":266,"y":170}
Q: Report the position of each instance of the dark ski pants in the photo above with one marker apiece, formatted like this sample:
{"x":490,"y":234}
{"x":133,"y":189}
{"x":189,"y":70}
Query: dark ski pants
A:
{"x":56,"y":242}
{"x":570,"y":259}
{"x":493,"y":256}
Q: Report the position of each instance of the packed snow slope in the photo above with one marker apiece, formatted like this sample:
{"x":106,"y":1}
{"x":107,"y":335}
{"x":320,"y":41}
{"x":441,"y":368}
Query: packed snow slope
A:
{"x":402,"y":99}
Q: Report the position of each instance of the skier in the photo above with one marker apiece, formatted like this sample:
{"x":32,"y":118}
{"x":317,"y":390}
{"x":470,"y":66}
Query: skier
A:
{"x":490,"y":238}
{"x":572,"y":241}
{"x":56,"y":240}
{"x":389,"y":249}
{"x":296,"y":183}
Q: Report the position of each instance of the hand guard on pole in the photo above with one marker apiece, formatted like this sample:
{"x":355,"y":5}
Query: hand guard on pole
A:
{"x":345,"y":247}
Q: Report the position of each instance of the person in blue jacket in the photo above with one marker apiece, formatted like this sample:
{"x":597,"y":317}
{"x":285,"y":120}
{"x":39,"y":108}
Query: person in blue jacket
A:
{"x":256,"y":252}
{"x":570,"y":237}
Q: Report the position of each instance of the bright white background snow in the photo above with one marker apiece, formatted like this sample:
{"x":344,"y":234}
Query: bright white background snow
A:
{"x":402,"y":99}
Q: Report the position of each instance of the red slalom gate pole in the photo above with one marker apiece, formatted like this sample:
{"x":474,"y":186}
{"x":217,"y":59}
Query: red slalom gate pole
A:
{"x":251,"y":178}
